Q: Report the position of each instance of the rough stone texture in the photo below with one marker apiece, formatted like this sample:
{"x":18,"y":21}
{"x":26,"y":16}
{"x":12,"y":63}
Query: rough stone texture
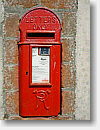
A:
{"x":10,"y":52}
{"x":11,"y":25}
{"x":1,"y":80}
{"x":68,"y":49}
{"x":58,"y":4}
{"x":32,"y":118}
{"x":68,"y":102}
{"x":11,"y":77}
{"x":42,"y":118}
{"x":82,"y":101}
{"x":16,"y":117}
{"x":1,"y":60}
{"x":63,"y":118}
{"x":68,"y":76}
{"x":12,"y":103}
{"x":49,"y":3}
{"x":23,"y":3}
{"x":69,"y":24}
{"x":67,"y":4}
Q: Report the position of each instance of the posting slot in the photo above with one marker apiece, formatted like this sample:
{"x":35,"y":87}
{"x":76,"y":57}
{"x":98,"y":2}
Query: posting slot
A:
{"x":41,"y":35}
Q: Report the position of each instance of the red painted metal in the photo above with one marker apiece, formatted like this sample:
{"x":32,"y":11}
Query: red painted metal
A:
{"x":39,"y":20}
{"x":39,"y":27}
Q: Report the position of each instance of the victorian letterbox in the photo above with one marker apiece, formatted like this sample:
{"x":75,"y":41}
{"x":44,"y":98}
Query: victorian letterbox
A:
{"x":39,"y":63}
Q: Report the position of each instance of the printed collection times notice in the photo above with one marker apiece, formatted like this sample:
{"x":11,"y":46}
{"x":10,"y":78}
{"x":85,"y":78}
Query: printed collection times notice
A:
{"x":40,"y":67}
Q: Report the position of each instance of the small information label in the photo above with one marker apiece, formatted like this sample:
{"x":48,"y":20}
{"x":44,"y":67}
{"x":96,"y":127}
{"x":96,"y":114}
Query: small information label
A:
{"x":40,"y":67}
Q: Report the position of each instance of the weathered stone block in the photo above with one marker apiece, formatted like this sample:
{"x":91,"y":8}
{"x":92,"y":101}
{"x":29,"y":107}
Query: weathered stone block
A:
{"x":0,"y":30}
{"x":68,"y":76}
{"x":67,"y":4}
{"x":23,"y":3}
{"x":37,"y":118}
{"x":15,"y":118}
{"x":31,"y":118}
{"x":11,"y":25}
{"x":60,"y":4}
{"x":11,"y":77}
{"x":49,"y":3}
{"x":62,"y":118}
{"x":69,"y":24}
{"x":68,"y":49}
{"x":10,"y":52}
{"x":12,"y":102}
{"x":68,"y":98}
{"x":42,"y":118}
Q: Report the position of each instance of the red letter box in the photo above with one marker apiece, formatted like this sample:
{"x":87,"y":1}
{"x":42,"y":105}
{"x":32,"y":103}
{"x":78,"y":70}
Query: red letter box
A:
{"x":39,"y":63}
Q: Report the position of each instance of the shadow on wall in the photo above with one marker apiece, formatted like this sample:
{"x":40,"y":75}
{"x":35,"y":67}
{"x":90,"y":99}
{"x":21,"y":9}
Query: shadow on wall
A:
{"x":41,"y":123}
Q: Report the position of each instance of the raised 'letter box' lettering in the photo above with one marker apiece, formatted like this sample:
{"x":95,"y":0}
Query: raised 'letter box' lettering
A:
{"x":39,"y":63}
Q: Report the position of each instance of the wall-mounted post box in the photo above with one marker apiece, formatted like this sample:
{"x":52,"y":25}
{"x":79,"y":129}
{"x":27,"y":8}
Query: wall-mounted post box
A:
{"x":39,"y":63}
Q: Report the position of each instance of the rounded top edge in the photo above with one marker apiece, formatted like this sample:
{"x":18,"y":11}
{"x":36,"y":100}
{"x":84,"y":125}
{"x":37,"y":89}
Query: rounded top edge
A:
{"x":43,"y":8}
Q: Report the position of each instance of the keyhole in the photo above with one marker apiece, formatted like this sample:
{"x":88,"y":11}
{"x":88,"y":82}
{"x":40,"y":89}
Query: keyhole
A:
{"x":26,"y":73}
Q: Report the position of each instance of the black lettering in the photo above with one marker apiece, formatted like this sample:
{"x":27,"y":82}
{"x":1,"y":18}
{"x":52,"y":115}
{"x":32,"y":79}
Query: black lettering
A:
{"x":43,"y":59}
